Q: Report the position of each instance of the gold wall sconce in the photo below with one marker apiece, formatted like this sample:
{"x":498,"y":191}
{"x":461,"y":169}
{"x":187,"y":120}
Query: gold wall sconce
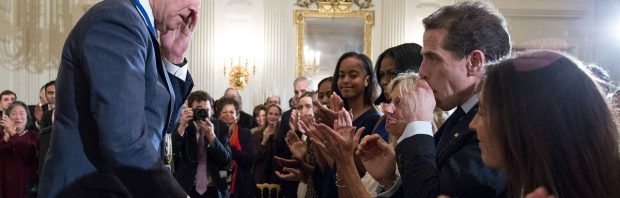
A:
{"x":239,"y":74}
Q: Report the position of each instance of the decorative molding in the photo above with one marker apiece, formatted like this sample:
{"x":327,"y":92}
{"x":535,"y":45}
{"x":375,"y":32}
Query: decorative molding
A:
{"x":542,"y":13}
{"x":278,"y":71}
{"x":202,"y":50}
{"x":428,"y":5}
{"x":392,"y":23}
{"x":544,"y":43}
{"x":335,"y":5}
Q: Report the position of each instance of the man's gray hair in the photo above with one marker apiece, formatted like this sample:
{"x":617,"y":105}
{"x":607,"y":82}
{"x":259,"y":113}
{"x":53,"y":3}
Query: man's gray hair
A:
{"x":302,"y":78}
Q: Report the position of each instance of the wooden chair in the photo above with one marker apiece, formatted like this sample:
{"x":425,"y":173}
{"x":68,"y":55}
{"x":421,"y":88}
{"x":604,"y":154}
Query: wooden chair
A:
{"x":270,"y":188}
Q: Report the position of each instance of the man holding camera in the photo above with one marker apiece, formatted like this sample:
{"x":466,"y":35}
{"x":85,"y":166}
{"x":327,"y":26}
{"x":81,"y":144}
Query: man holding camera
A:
{"x":201,"y":150}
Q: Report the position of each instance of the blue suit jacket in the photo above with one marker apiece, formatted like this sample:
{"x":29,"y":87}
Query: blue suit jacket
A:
{"x":115,"y":101}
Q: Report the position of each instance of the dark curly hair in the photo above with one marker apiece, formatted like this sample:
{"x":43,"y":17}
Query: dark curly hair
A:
{"x":198,"y":96}
{"x":222,"y":102}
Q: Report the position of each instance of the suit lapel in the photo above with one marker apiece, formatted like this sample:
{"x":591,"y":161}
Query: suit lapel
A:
{"x":458,"y":135}
{"x":161,"y":70}
{"x":163,"y":74}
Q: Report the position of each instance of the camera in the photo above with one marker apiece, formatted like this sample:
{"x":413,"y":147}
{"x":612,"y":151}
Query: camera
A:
{"x":200,"y":114}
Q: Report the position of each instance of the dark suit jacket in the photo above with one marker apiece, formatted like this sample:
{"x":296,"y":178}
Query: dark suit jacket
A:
{"x":245,"y":120}
{"x":186,"y":157}
{"x":245,"y":185}
{"x":452,"y":168}
{"x":115,"y":102}
{"x":44,"y":145}
{"x":31,"y":111}
{"x":46,"y":120}
{"x":281,"y":150}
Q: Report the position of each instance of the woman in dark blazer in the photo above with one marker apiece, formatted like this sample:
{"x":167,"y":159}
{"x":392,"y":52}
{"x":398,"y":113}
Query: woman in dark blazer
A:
{"x":243,"y":150}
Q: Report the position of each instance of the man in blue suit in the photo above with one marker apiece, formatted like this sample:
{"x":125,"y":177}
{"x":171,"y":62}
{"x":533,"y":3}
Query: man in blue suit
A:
{"x":119,"y":91}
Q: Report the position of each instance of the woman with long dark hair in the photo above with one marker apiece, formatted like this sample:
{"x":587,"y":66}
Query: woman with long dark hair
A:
{"x":355,"y":82}
{"x":404,"y":58}
{"x":545,"y":122}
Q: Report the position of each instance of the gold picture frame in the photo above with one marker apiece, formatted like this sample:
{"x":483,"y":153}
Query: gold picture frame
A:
{"x":300,"y":17}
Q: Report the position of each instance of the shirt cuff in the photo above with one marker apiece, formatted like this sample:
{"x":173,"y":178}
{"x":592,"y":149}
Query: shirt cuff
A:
{"x":381,"y":192}
{"x":178,"y":71}
{"x":417,"y":128}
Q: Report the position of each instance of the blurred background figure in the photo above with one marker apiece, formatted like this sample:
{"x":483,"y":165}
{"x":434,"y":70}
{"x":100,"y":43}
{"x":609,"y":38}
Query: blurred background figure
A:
{"x":264,"y":141}
{"x":7,"y":97}
{"x":242,"y":148}
{"x":260,"y":118}
{"x":272,"y":99}
{"x":245,"y":120}
{"x":18,"y":153}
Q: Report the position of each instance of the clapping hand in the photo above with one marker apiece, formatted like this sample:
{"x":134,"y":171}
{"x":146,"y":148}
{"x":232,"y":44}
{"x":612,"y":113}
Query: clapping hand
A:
{"x":292,"y":163}
{"x":9,"y":127}
{"x":540,"y":192}
{"x":341,"y":141}
{"x":294,"y":120}
{"x":298,"y":147}
{"x":38,"y":113}
{"x":327,"y":114}
{"x":269,"y":131}
{"x":291,"y":174}
{"x":378,"y":158}
{"x":309,"y":128}
{"x":294,"y":170}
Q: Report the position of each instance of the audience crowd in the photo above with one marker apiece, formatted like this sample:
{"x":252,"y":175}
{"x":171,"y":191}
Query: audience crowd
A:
{"x":459,"y":116}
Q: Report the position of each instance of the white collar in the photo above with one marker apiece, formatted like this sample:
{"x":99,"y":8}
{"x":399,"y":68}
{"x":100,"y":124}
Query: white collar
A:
{"x":146,"y":4}
{"x":470,"y":103}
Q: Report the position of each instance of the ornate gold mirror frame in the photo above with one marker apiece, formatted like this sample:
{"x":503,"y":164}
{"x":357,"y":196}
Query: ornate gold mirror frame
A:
{"x":332,"y":10}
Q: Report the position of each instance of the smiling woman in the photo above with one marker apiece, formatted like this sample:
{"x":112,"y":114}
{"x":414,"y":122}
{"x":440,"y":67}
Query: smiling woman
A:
{"x":355,"y":82}
{"x":18,"y":153}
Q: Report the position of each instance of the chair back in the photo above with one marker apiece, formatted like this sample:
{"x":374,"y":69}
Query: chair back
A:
{"x":270,"y":189}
